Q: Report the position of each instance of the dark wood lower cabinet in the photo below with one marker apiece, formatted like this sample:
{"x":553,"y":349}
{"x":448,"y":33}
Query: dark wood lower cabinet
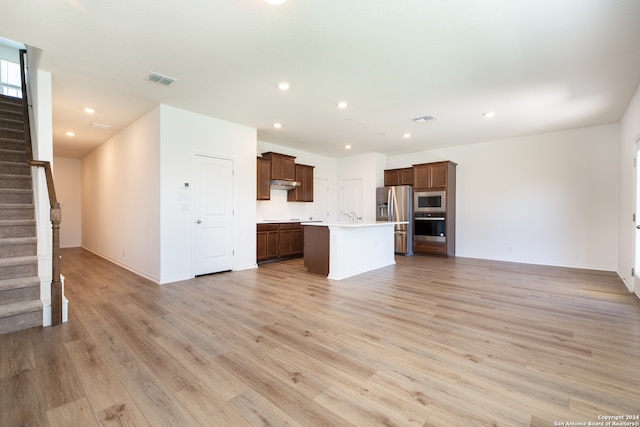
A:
{"x":316,"y":250}
{"x":268,"y":241}
{"x":279,"y":241}
{"x":430,"y":248}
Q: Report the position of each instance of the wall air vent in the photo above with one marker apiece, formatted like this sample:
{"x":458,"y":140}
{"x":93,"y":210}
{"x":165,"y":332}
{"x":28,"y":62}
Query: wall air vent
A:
{"x":424,"y":119}
{"x":159,"y":78}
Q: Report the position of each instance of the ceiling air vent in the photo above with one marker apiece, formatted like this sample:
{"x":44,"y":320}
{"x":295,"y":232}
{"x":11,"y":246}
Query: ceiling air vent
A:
{"x":424,"y":119}
{"x":99,"y":126}
{"x":159,"y":78}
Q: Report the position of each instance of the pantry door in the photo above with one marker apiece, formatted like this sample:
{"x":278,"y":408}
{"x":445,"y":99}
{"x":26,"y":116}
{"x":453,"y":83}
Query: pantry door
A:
{"x":351,"y":200}
{"x":213,"y":215}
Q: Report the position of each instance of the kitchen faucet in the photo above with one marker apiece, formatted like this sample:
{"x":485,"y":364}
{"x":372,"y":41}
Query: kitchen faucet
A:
{"x":353,"y":217}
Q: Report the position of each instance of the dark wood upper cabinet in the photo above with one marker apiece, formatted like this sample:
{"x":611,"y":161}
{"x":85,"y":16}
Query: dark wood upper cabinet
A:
{"x":433,"y":176}
{"x":264,"y":178}
{"x":282,"y":166}
{"x":304,"y":193}
{"x":391,"y":177}
{"x":402,"y":176}
{"x":406,"y":176}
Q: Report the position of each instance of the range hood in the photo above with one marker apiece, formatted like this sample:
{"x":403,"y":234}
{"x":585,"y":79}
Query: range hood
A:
{"x":281,"y":184}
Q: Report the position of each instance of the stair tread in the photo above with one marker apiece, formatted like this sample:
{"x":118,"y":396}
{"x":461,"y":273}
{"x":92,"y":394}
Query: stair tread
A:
{"x":10,"y":222}
{"x":7,"y":262}
{"x":21,"y":282}
{"x":15,"y":190}
{"x":16,"y":205}
{"x":17,"y":240}
{"x":12,"y":309}
{"x":14,"y":176}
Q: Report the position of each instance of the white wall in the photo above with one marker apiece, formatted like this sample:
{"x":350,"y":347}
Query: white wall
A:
{"x":544,"y":199}
{"x":278,"y":208}
{"x":121,"y":198}
{"x":183,"y":135}
{"x":135,"y":209}
{"x":629,"y":132}
{"x":67,"y":174}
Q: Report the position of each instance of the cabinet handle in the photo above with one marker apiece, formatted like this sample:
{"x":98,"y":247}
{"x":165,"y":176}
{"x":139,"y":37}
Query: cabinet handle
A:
{"x":198,"y":221}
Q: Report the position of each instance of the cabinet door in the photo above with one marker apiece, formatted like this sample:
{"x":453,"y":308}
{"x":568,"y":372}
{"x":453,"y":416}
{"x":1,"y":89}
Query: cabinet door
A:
{"x":286,"y":243}
{"x":391,"y":177}
{"x":263,"y":184}
{"x":307,"y":184}
{"x":288,"y":168}
{"x":304,"y":193}
{"x":267,"y":245}
{"x":406,"y":176}
{"x":267,"y":241}
{"x":438,"y":175}
{"x":421,"y":177}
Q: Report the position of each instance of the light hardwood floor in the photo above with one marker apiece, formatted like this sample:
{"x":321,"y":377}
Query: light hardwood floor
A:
{"x":427,"y":342}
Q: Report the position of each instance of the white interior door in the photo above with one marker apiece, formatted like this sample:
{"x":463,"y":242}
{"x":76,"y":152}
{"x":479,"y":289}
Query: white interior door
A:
{"x":320,"y":206}
{"x":352,"y":198}
{"x":213,"y":215}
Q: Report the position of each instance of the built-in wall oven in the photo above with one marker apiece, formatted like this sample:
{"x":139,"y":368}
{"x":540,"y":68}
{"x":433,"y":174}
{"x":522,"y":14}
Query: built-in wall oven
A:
{"x":429,"y":226}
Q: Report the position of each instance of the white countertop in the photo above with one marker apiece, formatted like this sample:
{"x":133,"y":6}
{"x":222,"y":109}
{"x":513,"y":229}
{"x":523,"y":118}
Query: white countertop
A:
{"x":347,"y":224}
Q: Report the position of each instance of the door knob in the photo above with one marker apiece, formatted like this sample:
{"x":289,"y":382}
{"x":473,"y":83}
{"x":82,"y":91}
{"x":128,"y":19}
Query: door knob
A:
{"x":198,"y":221}
{"x":638,"y":226}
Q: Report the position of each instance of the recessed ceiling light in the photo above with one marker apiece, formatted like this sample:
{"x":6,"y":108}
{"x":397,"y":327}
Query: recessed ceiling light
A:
{"x":406,"y":136}
{"x":347,"y":147}
{"x":89,"y":110}
{"x":283,"y":86}
{"x":277,"y":125}
{"x":275,"y":2}
{"x":489,"y":114}
{"x":342,"y":104}
{"x":69,"y":133}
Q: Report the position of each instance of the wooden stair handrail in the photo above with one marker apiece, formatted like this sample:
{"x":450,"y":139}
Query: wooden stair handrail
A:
{"x":55,"y":212}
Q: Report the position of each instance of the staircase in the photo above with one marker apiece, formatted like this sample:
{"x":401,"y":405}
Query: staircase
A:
{"x":20,"y":305}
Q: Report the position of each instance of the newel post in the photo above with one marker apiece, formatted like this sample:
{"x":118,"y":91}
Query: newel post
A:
{"x":56,"y":284}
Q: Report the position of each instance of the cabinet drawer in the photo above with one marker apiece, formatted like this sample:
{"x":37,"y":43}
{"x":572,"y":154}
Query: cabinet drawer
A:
{"x":290,"y":226}
{"x":268,"y":227}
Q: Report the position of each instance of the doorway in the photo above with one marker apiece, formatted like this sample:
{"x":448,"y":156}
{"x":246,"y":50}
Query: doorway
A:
{"x":636,"y":263}
{"x":213,"y":215}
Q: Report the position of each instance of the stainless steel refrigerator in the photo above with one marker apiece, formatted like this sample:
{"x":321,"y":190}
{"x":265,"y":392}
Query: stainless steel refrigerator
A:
{"x":396,"y":204}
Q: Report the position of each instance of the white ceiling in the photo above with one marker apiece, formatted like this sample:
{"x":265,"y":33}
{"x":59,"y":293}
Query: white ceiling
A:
{"x":542,"y":65}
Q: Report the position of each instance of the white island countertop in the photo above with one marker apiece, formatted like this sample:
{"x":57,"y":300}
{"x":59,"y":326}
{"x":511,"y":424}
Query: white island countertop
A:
{"x":354,"y":224}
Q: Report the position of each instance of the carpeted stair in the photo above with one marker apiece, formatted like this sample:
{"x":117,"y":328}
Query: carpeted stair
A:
{"x":20,"y":305}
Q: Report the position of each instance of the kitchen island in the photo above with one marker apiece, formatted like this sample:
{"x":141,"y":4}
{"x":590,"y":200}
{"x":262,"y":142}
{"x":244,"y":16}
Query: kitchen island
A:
{"x":342,"y":249}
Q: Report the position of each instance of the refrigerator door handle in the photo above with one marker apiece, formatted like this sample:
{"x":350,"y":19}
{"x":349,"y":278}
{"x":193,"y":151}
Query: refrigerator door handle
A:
{"x":391,"y":215}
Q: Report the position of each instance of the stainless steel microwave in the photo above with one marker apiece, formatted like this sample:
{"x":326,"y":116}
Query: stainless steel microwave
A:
{"x":430,"y":201}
